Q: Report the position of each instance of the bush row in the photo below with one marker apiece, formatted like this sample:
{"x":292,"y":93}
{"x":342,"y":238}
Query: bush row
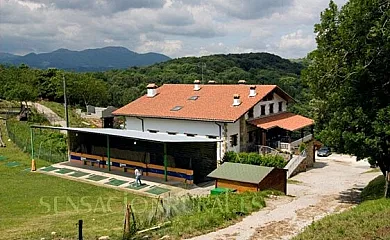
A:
{"x":255,"y":159}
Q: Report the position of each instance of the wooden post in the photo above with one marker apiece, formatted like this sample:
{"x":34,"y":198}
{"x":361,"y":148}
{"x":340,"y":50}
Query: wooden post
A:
{"x":80,"y":230}
{"x":387,"y":184}
{"x":264,"y":138}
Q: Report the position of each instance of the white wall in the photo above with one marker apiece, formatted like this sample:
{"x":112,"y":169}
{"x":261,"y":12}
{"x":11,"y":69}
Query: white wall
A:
{"x":275,"y":101}
{"x":133,"y":123}
{"x":232,"y":129}
{"x":172,"y":125}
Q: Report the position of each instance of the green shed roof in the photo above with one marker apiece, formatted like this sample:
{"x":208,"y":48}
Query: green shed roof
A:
{"x":241,"y":172}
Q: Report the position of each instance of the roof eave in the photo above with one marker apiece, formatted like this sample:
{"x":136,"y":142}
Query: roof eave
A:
{"x":178,"y":118}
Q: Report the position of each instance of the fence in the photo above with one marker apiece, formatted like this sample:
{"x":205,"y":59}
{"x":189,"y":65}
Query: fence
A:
{"x":44,"y":148}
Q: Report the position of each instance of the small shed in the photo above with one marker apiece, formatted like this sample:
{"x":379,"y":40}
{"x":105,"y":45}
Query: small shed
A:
{"x":246,"y":177}
{"x":108,"y":117}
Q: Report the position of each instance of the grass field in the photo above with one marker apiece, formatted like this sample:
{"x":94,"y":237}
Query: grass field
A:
{"x":32,"y":205}
{"x":369,"y":220}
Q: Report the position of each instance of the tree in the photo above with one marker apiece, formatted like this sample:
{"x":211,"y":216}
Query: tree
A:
{"x":21,"y":85}
{"x":349,"y":79}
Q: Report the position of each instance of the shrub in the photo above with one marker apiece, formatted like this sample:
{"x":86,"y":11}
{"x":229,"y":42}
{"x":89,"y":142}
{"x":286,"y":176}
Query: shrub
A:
{"x":302,"y":147}
{"x":255,"y":159}
{"x":375,"y":189}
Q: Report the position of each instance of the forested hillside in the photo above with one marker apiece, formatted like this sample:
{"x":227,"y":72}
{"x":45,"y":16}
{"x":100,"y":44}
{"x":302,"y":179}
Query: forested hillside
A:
{"x":119,"y":87}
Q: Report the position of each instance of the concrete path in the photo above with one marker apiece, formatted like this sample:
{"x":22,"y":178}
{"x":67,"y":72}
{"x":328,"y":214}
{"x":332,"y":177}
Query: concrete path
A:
{"x":175,"y":189}
{"x":51,"y":116}
{"x":333,"y":185}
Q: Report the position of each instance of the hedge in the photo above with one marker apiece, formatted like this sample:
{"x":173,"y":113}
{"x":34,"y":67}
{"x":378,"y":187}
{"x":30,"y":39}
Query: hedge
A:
{"x":255,"y":159}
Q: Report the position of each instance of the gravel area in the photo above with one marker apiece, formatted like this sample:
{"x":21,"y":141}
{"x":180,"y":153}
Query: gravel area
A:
{"x":331,"y":186}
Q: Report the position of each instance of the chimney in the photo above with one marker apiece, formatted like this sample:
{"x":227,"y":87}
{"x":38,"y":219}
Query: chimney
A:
{"x":252,"y":91}
{"x":196,"y":85}
{"x":152,"y":90}
{"x":236,"y":100}
{"x":212,"y":82}
{"x":241,"y":82}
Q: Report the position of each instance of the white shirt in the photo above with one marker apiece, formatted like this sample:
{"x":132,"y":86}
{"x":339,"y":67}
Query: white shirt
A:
{"x":137,"y":172}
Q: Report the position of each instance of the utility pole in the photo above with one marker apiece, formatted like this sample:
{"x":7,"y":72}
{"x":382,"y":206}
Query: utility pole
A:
{"x":202,"y":65}
{"x":65,"y":101}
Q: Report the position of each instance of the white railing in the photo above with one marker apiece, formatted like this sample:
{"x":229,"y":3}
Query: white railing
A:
{"x":285,"y":147}
{"x":294,"y":163}
{"x":301,"y":140}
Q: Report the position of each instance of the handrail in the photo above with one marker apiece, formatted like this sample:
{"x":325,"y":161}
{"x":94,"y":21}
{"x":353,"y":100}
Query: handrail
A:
{"x":294,"y":163}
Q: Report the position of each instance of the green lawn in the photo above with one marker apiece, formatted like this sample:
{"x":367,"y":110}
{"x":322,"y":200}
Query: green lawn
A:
{"x":32,"y":205}
{"x":369,"y":220}
{"x":74,"y":119}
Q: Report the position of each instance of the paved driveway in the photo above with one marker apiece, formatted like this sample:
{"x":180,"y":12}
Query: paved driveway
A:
{"x":333,"y":185}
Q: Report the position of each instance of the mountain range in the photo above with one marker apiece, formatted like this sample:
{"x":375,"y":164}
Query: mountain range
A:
{"x":98,"y":59}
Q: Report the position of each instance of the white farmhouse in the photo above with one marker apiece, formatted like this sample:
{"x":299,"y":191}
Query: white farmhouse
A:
{"x":244,"y":117}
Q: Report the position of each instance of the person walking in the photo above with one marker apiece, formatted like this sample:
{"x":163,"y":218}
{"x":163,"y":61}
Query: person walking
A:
{"x":138,"y":175}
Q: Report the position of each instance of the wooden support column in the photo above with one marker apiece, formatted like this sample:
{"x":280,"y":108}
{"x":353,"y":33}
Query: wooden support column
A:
{"x":108,"y":153}
{"x":263,"y":137}
{"x":302,"y":134}
{"x":165,"y":163}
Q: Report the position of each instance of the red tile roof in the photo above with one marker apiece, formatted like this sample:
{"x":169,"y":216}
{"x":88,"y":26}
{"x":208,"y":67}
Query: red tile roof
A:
{"x":286,"y":120}
{"x":215,"y":102}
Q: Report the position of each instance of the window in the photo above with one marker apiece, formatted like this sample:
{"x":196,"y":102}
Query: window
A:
{"x":280,"y":106}
{"x":271,"y":108}
{"x":190,"y":134}
{"x":193,"y":98}
{"x":153,"y":131}
{"x":233,"y":140}
{"x":262,"y":108}
{"x":177,"y":108}
{"x":250,"y":113}
{"x":172,"y":133}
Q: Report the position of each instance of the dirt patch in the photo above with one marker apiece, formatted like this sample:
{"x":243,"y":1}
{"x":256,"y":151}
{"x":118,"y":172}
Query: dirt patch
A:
{"x":229,"y":236}
{"x":274,"y":230}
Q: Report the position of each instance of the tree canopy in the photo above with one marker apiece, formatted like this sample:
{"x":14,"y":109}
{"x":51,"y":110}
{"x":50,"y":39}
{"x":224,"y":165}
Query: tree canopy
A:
{"x":349,"y":79}
{"x":119,"y":87}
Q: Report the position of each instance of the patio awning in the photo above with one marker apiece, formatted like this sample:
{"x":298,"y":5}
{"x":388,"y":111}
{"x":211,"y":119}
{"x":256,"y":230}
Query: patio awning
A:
{"x":147,"y":136}
{"x":286,"y":120}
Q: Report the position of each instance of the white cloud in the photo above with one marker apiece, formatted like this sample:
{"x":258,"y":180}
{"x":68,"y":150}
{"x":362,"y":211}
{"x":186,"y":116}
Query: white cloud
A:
{"x":174,"y":27}
{"x":297,"y":40}
{"x":168,"y":47}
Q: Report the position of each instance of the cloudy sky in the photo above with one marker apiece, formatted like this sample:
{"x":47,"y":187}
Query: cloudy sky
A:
{"x":174,"y":27}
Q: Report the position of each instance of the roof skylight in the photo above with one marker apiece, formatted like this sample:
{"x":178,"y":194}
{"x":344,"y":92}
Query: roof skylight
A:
{"x":193,"y":98}
{"x":177,"y":108}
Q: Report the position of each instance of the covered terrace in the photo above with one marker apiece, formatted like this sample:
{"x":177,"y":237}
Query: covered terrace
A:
{"x":171,"y":157}
{"x":284,"y":131}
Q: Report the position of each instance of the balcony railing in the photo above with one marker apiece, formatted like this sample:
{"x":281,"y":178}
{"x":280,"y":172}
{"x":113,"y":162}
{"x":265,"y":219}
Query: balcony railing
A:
{"x":288,"y":147}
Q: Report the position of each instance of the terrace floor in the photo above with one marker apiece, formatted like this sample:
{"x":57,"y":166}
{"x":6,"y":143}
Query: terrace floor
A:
{"x":152,"y":187}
